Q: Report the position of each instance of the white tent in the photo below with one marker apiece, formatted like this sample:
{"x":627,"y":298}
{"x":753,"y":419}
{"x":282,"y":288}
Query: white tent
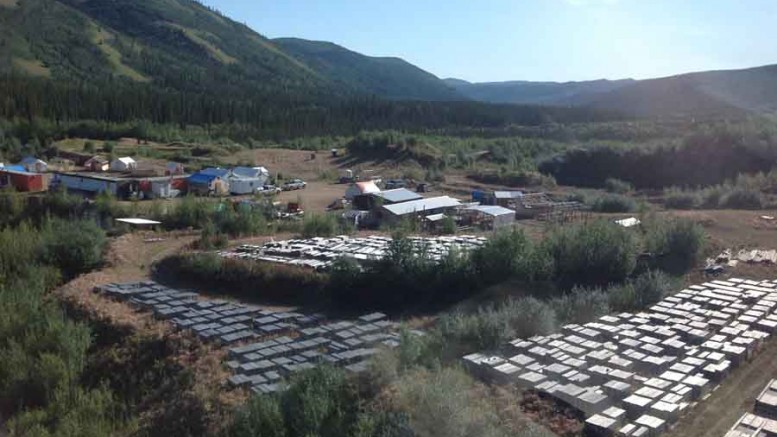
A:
{"x":124,"y":164}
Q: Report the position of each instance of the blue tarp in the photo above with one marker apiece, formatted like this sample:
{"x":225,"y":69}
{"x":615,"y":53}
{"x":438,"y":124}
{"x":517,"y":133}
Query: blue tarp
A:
{"x":16,"y":168}
{"x":216,"y":172}
{"x":199,"y":178}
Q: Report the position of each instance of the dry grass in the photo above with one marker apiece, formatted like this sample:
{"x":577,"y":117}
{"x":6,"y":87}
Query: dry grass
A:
{"x":715,"y":415}
{"x":9,"y":3}
{"x":129,"y":259}
{"x":214,"y":51}
{"x":102,"y":39}
{"x":31,"y":67}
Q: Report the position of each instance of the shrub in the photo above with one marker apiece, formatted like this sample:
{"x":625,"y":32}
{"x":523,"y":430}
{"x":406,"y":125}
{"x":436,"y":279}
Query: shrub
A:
{"x":640,"y":293}
{"x":743,"y":198}
{"x":247,"y":280}
{"x":581,"y":305}
{"x":613,"y":203}
{"x":505,"y":255}
{"x":491,"y":326}
{"x":675,"y":198}
{"x":75,"y":247}
{"x":675,"y":244}
{"x":320,"y":225}
{"x":442,"y":403}
{"x":595,"y":254}
{"x":617,"y":186}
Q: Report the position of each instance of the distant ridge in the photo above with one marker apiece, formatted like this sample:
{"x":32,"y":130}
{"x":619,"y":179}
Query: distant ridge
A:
{"x":712,"y":93}
{"x":393,"y":78}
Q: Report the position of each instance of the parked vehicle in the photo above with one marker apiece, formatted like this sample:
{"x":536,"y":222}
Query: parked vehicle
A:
{"x":393,"y":184}
{"x":268,"y":190}
{"x":294,"y":184}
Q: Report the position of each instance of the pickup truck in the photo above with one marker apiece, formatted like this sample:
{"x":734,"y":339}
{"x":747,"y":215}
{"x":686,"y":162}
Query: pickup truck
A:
{"x":294,"y":184}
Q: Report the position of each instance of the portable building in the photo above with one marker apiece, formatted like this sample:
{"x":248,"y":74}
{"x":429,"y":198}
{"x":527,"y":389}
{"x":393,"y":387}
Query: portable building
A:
{"x":124,"y":164}
{"x":22,"y":180}
{"x":507,"y":198}
{"x":490,"y":216}
{"x":97,"y":164}
{"x":246,"y":180}
{"x":88,"y":184}
{"x":34,"y":165}
{"x":425,"y":207}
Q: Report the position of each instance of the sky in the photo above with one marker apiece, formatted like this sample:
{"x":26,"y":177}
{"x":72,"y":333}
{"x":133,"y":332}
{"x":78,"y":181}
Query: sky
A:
{"x":539,"y":40}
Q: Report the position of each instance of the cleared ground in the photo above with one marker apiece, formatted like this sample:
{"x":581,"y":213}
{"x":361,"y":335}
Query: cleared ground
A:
{"x":714,"y":416}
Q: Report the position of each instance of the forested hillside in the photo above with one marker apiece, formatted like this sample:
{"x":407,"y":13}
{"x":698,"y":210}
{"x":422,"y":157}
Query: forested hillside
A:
{"x":392,"y":78}
{"x":540,"y":93}
{"x":705,"y":94}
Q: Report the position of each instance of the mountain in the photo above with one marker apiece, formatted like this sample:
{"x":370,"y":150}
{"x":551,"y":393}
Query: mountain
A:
{"x":171,"y":44}
{"x":183,"y":45}
{"x":713,"y":93}
{"x":391,"y":78}
{"x":535,"y":93}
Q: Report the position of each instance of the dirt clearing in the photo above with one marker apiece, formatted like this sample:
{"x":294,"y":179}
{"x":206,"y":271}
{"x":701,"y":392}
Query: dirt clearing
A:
{"x":733,"y":398}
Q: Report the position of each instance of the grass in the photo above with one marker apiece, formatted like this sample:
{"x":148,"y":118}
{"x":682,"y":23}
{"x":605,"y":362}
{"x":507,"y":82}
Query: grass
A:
{"x":268,"y":45}
{"x":214,"y":51}
{"x":31,"y":67}
{"x":102,"y":39}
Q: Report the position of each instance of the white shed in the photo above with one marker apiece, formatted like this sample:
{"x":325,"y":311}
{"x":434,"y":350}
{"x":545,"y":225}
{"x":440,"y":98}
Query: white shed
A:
{"x":124,"y":164}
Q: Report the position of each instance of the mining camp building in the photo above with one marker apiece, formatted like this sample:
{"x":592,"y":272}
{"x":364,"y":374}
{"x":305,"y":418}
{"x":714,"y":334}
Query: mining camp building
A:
{"x":423,"y":207}
{"x":490,"y":217}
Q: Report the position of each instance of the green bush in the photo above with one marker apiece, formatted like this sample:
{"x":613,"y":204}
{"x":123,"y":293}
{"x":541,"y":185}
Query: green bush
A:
{"x":75,"y":247}
{"x":675,"y":244}
{"x":675,"y":198}
{"x":493,"y":325}
{"x":640,"y":293}
{"x":320,"y":225}
{"x":509,"y":255}
{"x":595,"y":254}
{"x":244,"y":279}
{"x":613,"y":203}
{"x":580,"y":306}
{"x":743,"y":198}
{"x":618,"y":186}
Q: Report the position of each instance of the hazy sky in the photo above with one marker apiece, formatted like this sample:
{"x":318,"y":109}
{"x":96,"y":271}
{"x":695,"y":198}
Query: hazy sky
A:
{"x":559,"y":40}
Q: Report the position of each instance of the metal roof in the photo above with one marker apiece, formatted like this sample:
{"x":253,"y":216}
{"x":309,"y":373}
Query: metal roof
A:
{"x":398,"y":195}
{"x":435,"y":217}
{"x":492,"y":210}
{"x":508,"y":194}
{"x":422,"y":205}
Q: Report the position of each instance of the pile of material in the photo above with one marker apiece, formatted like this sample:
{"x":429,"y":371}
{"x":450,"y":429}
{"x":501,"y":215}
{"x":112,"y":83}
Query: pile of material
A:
{"x":275,"y":344}
{"x":321,"y":253}
{"x":763,"y":422}
{"x":633,"y":374}
{"x":728,"y":259}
